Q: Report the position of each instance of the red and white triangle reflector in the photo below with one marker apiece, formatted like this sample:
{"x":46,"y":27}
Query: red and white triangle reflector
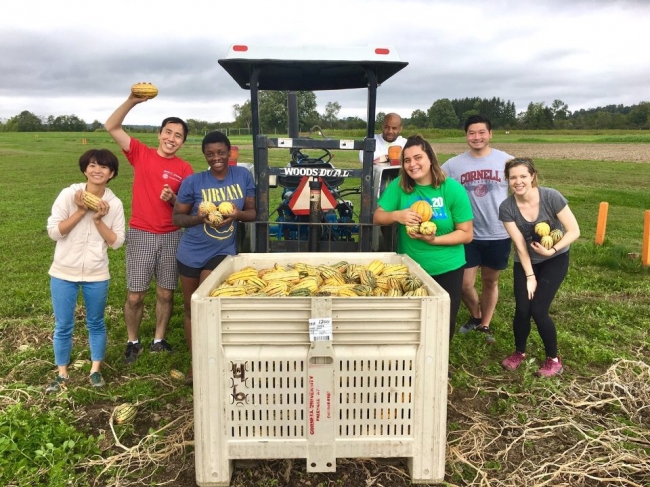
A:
{"x":299,"y":202}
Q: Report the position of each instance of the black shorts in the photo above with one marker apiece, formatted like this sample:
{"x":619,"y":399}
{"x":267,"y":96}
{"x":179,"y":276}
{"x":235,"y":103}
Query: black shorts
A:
{"x":489,"y":253}
{"x":195,"y":272}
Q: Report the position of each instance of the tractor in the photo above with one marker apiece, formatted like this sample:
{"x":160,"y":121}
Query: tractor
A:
{"x":314,"y":213}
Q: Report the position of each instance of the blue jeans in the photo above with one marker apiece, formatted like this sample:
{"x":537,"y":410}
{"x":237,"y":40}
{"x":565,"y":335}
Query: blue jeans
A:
{"x":64,"y":300}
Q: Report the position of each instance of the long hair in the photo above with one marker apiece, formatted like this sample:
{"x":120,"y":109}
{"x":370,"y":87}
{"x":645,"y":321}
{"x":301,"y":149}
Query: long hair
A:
{"x":407,"y":183}
{"x":523,"y":161}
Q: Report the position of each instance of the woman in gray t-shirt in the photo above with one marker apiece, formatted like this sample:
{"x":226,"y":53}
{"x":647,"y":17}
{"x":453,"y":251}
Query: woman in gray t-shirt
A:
{"x":538,"y":269}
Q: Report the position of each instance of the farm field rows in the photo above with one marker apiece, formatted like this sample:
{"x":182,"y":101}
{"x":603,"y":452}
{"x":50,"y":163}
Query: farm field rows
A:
{"x":589,"y":427}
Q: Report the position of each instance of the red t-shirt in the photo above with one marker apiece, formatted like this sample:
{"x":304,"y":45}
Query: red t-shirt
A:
{"x":150,"y":173}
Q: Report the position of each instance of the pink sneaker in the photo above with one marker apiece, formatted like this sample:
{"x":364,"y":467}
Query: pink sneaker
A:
{"x":550,"y":368}
{"x":513,"y":361}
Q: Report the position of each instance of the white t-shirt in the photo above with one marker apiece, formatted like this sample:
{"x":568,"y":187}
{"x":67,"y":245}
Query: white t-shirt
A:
{"x":381,"y":146}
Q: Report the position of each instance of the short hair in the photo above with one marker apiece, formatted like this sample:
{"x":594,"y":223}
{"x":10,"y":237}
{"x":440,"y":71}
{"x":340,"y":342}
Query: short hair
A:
{"x":175,"y":120}
{"x":407,"y":183}
{"x":392,"y":115}
{"x":471,"y":120}
{"x":103,"y":157}
{"x":522,"y":161}
{"x":215,"y":137}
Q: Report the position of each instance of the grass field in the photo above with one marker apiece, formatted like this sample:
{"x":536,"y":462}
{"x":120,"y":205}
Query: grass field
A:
{"x":602,"y":313}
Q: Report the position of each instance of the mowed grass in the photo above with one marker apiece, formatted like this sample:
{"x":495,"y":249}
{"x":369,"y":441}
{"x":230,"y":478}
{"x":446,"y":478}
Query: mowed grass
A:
{"x":602,"y":311}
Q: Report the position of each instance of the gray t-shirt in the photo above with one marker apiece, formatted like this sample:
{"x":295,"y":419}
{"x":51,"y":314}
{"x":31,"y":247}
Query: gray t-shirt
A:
{"x":551,"y":202}
{"x":483,"y":179}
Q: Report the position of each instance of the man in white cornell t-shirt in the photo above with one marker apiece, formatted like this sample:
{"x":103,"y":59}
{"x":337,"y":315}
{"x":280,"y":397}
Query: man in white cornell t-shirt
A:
{"x":481,"y":171}
{"x":390,"y":135}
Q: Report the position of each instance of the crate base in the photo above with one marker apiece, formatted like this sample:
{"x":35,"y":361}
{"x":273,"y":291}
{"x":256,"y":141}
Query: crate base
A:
{"x":393,"y":461}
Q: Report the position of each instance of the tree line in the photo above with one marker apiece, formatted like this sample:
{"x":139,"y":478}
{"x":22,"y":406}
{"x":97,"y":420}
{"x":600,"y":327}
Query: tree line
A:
{"x":442,"y":114}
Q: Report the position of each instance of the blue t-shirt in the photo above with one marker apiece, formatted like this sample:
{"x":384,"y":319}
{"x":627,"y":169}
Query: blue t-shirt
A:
{"x":201,"y":243}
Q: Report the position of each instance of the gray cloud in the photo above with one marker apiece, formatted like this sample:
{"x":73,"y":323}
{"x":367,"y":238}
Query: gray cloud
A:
{"x":585,"y":52}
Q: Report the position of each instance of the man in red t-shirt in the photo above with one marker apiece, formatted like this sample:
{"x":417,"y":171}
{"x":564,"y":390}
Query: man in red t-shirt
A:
{"x":152,"y":238}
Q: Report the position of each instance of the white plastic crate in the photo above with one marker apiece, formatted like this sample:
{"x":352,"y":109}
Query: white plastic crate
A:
{"x":264,"y":390}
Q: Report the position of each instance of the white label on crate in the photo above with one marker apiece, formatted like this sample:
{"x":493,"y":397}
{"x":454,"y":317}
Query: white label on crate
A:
{"x":346,"y":144}
{"x":320,"y":329}
{"x":285,"y":143}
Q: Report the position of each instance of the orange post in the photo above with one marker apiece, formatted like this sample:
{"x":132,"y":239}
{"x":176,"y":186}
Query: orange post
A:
{"x":645,"y":251}
{"x":602,"y":222}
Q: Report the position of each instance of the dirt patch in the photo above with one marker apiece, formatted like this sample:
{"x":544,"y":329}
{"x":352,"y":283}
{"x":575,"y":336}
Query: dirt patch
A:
{"x":563,"y":151}
{"x":581,"y":152}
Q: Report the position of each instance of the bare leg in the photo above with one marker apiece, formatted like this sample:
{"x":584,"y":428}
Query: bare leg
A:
{"x":469,"y":294}
{"x":489,"y":294}
{"x":133,"y":309}
{"x":97,"y":364}
{"x":164,"y":305}
{"x":188,"y":285}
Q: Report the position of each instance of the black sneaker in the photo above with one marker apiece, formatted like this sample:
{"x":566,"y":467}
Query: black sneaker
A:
{"x":471,"y":325}
{"x":489,"y":337}
{"x":161,"y":346}
{"x":132,"y":352}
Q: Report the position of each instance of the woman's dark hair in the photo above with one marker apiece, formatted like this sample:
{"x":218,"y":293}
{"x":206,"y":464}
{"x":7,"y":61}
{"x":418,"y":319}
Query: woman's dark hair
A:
{"x":215,"y":138}
{"x":523,"y":161}
{"x":103,"y":157}
{"x":407,"y":183}
{"x":175,"y":120}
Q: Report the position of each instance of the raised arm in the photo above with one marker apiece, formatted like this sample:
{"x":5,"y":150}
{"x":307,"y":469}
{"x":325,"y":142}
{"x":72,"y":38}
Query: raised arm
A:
{"x":114,"y":123}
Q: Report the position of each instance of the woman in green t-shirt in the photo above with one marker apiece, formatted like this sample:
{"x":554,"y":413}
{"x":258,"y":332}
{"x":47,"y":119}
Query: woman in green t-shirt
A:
{"x":441,"y":254}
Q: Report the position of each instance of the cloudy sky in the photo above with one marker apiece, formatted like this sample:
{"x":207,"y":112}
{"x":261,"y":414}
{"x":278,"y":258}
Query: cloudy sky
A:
{"x":81,"y":57}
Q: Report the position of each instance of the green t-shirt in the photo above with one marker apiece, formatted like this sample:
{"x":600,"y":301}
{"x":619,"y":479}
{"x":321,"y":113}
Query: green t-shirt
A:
{"x":450,"y":205}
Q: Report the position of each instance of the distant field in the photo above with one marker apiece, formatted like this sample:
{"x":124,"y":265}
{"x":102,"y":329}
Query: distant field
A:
{"x":440,"y":136}
{"x":526,"y":136}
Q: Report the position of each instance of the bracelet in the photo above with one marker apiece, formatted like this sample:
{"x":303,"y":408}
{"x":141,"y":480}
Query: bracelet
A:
{"x":554,"y":249}
{"x":530,"y":275}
